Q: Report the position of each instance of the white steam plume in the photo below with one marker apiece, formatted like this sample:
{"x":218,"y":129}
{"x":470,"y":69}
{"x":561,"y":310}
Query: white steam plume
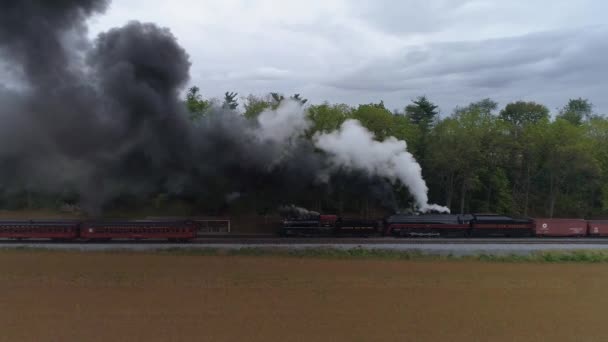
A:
{"x":354,"y":147}
{"x":295,"y":211}
{"x":282,"y":127}
{"x":285,"y":123}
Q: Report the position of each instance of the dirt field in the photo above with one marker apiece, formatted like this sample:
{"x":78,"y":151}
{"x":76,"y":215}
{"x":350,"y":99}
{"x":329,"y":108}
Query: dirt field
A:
{"x":61,"y":296}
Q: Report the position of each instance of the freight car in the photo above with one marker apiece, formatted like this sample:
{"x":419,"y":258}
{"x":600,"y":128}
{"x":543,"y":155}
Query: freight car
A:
{"x":597,"y":228}
{"x":181,"y":230}
{"x":561,"y":227}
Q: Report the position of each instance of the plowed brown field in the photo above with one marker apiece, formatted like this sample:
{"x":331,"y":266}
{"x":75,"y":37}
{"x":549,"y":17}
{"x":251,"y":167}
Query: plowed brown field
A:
{"x":63,"y":296}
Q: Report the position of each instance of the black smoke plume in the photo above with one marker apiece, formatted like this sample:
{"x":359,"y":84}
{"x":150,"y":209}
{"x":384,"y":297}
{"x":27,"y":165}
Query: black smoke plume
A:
{"x":104,"y":118}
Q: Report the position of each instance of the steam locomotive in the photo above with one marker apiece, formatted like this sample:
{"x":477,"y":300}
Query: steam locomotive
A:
{"x":441,"y":225}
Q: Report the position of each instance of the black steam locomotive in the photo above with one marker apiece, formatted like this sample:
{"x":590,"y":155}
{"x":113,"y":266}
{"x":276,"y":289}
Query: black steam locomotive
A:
{"x":426,"y":225}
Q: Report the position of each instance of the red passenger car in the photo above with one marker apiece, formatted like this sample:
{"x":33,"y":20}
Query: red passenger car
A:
{"x":57,"y":230}
{"x":561,"y":227}
{"x":108,"y":230}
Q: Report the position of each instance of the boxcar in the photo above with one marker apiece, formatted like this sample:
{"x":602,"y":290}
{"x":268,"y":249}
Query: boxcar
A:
{"x":597,"y":227}
{"x":427,"y":225}
{"x":47,"y":229}
{"x":139,"y":230}
{"x":560,"y":227}
{"x":498,"y":225}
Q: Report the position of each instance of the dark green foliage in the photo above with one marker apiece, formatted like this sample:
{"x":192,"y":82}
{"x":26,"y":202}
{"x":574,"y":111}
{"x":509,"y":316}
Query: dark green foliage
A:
{"x":522,"y":113}
{"x":327,"y":117}
{"x":255,"y":105}
{"x":422,"y":112}
{"x":376,"y":118}
{"x":483,"y":107}
{"x":577,"y":111}
{"x":517,"y":161}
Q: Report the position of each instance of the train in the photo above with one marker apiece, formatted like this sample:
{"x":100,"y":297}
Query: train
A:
{"x":443,"y":225}
{"x":312,"y":225}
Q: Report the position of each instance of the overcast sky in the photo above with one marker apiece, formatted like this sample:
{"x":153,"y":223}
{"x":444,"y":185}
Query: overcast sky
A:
{"x":359,"y":51}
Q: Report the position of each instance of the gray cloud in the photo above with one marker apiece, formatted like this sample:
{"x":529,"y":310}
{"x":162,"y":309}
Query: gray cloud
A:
{"x":365,"y":50}
{"x":408,"y":17}
{"x":562,"y":60}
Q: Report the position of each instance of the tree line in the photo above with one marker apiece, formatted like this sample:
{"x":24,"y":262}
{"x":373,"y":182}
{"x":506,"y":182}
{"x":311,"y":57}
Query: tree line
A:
{"x":520,"y":159}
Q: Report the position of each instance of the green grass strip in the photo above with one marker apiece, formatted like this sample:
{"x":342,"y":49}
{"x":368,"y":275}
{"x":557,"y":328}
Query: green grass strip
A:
{"x":573,"y":256}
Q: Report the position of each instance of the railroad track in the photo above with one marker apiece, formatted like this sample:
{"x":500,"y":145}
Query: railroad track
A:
{"x":273,"y":240}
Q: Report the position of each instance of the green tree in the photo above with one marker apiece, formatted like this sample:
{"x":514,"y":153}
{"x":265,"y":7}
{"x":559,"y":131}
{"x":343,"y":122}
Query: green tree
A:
{"x":327,"y":117}
{"x":525,"y":162}
{"x":255,"y":105}
{"x":465,"y":155}
{"x":402,"y":129}
{"x":569,"y":169}
{"x":443,"y":160}
{"x":522,"y":113}
{"x":197,"y":106}
{"x":376,"y":118}
{"x":484,"y":107}
{"x":576,"y":111}
{"x":422,"y":112}
{"x":597,"y":131}
{"x":519,"y":117}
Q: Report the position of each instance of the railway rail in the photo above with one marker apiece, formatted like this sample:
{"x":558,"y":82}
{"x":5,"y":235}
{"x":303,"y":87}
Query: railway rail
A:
{"x":273,"y":240}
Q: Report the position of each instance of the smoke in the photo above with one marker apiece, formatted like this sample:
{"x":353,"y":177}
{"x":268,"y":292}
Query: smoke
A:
{"x":104,"y":119}
{"x":284,"y":124}
{"x":101,"y":118}
{"x":353,"y":146}
{"x":293,"y":211}
{"x":282,"y":128}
